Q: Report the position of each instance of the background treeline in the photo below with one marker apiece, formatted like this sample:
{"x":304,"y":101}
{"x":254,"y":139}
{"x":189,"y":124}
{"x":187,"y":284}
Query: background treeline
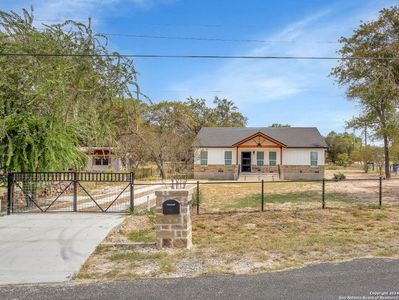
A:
{"x":346,"y":149}
{"x":51,"y":106}
{"x":83,"y":95}
{"x":164,"y":132}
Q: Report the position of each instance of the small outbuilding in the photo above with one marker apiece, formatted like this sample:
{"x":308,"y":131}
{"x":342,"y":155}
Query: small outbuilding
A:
{"x":102,"y":159}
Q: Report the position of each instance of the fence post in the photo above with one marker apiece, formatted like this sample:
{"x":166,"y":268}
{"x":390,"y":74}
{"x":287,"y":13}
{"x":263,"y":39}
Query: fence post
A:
{"x":148,"y":203}
{"x":198,"y":197}
{"x":75,"y":191}
{"x":10,"y":192}
{"x":132,"y":191}
{"x":380,"y":193}
{"x":263,"y":195}
{"x":323,"y":194}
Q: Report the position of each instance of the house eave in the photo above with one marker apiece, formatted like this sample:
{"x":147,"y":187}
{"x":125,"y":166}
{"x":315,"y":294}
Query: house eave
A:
{"x":266,"y":137}
{"x":277,"y":146}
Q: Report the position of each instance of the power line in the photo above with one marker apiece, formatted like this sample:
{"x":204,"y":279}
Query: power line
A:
{"x":200,"y":56}
{"x":191,"y":38}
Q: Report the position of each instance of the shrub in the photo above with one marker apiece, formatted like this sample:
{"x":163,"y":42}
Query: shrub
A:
{"x":339,"y":176}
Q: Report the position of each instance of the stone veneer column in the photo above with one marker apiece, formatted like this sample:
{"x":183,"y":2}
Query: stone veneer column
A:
{"x":174,"y":231}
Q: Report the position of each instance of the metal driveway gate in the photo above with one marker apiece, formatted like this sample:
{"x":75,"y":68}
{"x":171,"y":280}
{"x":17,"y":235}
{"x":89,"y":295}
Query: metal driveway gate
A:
{"x":70,"y":192}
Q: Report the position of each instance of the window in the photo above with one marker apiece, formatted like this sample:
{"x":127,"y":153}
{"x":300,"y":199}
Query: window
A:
{"x":228,"y":157}
{"x":101,"y":161}
{"x":260,"y":158}
{"x":272,"y":158}
{"x":204,"y":158}
{"x":313,"y":159}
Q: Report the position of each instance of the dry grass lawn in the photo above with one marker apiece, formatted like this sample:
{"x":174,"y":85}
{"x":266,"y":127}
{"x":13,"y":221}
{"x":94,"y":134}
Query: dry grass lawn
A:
{"x":232,"y":236}
{"x":248,"y":242}
{"x":240,"y":196}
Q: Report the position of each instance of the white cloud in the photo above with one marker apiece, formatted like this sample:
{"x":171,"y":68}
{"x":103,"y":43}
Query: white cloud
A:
{"x":265,"y":81}
{"x":56,"y":10}
{"x":254,"y":81}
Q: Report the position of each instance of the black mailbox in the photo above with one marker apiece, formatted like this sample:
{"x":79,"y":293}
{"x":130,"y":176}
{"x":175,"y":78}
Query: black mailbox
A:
{"x":171,"y":207}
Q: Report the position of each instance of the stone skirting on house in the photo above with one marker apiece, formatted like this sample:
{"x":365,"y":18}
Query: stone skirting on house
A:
{"x":287,"y":172}
{"x":264,"y":169}
{"x":297,"y":172}
{"x":216,"y":172}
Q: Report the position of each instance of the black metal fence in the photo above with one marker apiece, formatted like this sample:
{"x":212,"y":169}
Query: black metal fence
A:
{"x":217,"y":197}
{"x":118,"y":192}
{"x":75,"y":192}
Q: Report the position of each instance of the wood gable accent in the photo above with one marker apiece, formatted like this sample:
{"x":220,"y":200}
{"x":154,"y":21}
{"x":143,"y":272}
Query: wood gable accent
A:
{"x":259,"y":140}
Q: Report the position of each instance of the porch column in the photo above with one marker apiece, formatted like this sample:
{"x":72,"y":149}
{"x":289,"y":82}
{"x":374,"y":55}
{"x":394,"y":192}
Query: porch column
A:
{"x":236,"y":156}
{"x":281,"y":155}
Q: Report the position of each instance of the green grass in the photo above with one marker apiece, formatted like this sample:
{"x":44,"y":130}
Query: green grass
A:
{"x":254,"y":201}
{"x":388,"y":252}
{"x":135,"y":256}
{"x":142,"y":236}
{"x":326,"y":241}
{"x":194,"y":200}
{"x":379,"y":216}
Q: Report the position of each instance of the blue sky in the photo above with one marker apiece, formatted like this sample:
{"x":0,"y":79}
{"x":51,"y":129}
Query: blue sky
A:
{"x":300,"y":93}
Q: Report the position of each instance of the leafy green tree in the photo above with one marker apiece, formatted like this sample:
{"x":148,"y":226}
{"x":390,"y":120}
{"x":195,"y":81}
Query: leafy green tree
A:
{"x":167,"y":129}
{"x":52,"y":105}
{"x":373,"y":80}
{"x":278,"y":125}
{"x":167,"y":132}
{"x":369,"y":155}
{"x":224,"y":113}
{"x":341,"y":143}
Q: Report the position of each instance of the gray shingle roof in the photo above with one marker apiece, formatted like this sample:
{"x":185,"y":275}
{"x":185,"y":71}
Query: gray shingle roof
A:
{"x":292,"y":137}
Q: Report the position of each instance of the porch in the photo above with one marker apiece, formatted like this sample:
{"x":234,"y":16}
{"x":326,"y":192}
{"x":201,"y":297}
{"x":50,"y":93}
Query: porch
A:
{"x":259,"y":157}
{"x":249,"y":176}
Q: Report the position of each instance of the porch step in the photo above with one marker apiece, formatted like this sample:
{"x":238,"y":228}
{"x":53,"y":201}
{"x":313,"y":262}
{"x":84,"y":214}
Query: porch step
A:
{"x":258,"y":177}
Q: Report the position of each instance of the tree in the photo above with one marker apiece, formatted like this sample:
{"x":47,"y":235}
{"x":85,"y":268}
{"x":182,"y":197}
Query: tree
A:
{"x":51,"y":106}
{"x":278,"y":125}
{"x":372,"y":81}
{"x":369,"y":155}
{"x":341,"y":143}
{"x":224,"y":114}
{"x":166,"y":130}
{"x":395,"y":149}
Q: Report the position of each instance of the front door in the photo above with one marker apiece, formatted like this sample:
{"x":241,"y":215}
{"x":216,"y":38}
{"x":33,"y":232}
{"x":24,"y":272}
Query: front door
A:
{"x":245,"y":161}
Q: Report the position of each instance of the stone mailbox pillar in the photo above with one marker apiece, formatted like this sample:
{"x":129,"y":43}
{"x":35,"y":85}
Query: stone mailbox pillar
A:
{"x":173,"y":218}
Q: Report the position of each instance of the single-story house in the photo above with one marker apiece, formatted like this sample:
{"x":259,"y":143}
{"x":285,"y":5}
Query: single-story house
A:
{"x":102,"y":159}
{"x":292,"y":153}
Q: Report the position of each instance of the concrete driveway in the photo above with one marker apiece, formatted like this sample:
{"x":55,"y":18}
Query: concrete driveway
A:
{"x":47,"y":247}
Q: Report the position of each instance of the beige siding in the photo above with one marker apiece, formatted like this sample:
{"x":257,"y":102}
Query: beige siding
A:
{"x":301,"y":156}
{"x":291,"y":156}
{"x":114,"y":164}
{"x":215,"y":155}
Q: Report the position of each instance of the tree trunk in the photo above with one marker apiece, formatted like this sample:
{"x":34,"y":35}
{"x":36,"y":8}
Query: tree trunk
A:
{"x":161,"y":168}
{"x":366,"y":167}
{"x":386,"y":157}
{"x":158,"y":162}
